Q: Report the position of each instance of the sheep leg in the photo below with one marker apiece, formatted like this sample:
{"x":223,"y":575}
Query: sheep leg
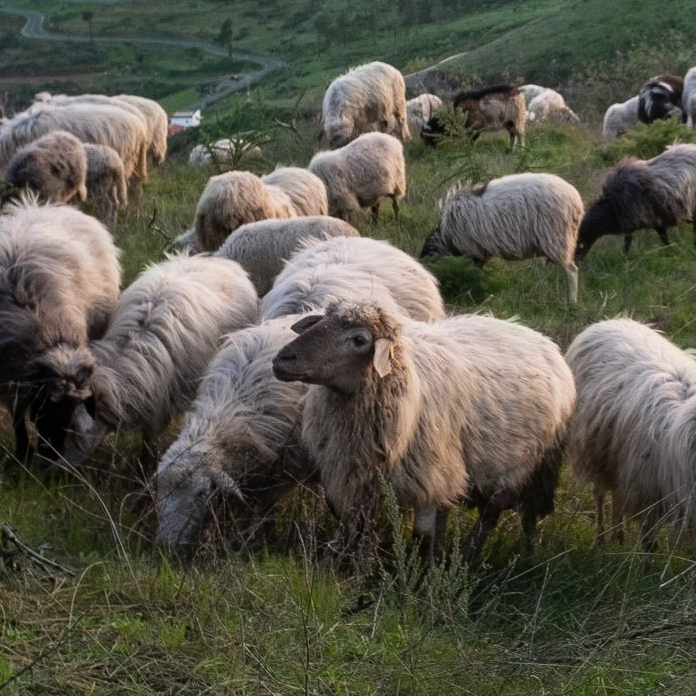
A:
{"x":572,"y":283}
{"x":628,"y":238}
{"x":599,"y":508}
{"x":395,"y":207}
{"x":485,"y":524}
{"x":662,"y":234}
{"x":23,"y":450}
{"x":617,"y":519}
{"x":375,"y":212}
{"x":430,"y":527}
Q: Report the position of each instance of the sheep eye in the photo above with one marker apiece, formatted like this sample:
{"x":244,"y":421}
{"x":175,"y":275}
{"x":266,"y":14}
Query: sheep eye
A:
{"x":359,"y":340}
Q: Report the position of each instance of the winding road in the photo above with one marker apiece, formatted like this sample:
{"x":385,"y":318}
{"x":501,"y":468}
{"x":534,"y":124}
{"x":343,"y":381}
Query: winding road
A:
{"x":34,"y":29}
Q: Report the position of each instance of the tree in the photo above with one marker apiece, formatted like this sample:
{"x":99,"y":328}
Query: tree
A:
{"x":225,"y":35}
{"x":88,"y":16}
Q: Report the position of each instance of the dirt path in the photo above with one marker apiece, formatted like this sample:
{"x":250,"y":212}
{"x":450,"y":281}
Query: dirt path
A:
{"x":34,"y":29}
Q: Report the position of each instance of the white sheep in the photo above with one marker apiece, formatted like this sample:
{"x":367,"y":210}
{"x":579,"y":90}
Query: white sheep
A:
{"x":105,"y":124}
{"x":157,"y":124}
{"x":223,"y":151}
{"x":107,"y":189}
{"x":54,"y":166}
{"x":232,"y":199}
{"x":241,"y":436}
{"x":689,"y":97}
{"x":549,"y":105}
{"x":358,"y":268}
{"x":368,"y":98}
{"x":263,"y":247}
{"x":620,"y":118}
{"x":632,"y":434}
{"x":421,"y":109}
{"x":305,"y":189}
{"x":518,"y":216}
{"x":530,"y":91}
{"x":166,"y":328}
{"x":470,"y":410}
{"x":362,"y":173}
{"x":59,"y":283}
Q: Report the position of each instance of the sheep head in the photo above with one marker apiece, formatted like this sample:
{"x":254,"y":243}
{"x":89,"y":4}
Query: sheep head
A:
{"x":338,"y":350}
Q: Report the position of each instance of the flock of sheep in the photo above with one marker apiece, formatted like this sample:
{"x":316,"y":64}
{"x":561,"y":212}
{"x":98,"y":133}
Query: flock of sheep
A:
{"x":303,"y":353}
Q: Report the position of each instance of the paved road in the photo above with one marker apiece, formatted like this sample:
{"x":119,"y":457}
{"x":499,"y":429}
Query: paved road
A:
{"x":34,"y":29}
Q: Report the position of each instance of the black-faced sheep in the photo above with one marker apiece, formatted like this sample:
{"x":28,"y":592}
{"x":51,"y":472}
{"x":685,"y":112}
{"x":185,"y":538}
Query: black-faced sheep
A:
{"x":232,"y":199}
{"x":518,"y":216}
{"x":357,"y":268}
{"x":470,"y":409}
{"x":362,"y":173}
{"x":689,"y":97}
{"x":107,"y":189}
{"x":632,"y":433}
{"x":59,"y":282}
{"x":661,"y":97}
{"x":656,"y":193}
{"x":166,"y":328}
{"x":491,"y":108}
{"x":104,"y":124}
{"x":620,"y":118}
{"x":54,"y":166}
{"x":241,"y":437}
{"x":262,"y":248}
{"x":368,"y":98}
{"x":421,"y":109}
{"x":304,"y":188}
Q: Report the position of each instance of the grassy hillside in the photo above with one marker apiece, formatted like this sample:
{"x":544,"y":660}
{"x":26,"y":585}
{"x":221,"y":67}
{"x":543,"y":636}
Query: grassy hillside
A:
{"x":262,"y":609}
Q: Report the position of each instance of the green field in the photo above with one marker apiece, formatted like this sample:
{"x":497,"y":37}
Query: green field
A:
{"x":267,"y":612}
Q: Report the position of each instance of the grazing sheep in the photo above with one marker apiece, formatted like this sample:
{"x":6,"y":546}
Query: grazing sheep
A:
{"x":620,"y":118}
{"x":491,"y":108}
{"x":657,"y":193}
{"x":166,"y":328}
{"x":305,"y":189}
{"x":105,"y":124}
{"x":241,"y":437}
{"x":530,"y":91}
{"x":59,"y":282}
{"x":420,"y":109}
{"x":362,"y":173}
{"x":232,"y":199}
{"x":661,"y":97}
{"x":519,"y":216}
{"x":469,"y":409}
{"x":689,"y":97}
{"x":223,"y":151}
{"x":157,"y":125}
{"x":632,"y":433}
{"x":107,"y":189}
{"x":368,"y":98}
{"x":54,"y":166}
{"x":358,"y":268}
{"x":263,"y":247}
{"x":186,"y":242}
{"x":549,"y":105}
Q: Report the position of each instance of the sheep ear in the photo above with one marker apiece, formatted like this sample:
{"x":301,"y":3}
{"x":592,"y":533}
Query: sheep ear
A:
{"x":306,"y":322}
{"x":225,"y":484}
{"x":384,"y":352}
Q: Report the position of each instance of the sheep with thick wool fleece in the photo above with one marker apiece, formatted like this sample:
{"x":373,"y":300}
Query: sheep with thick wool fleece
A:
{"x":368,"y":98}
{"x":518,"y":216}
{"x":420,"y":109}
{"x":359,"y":175}
{"x":304,"y":188}
{"x":262,"y":248}
{"x":54,"y":166}
{"x":657,"y":193}
{"x":59,"y":284}
{"x":632,"y":433}
{"x":470,"y":409}
{"x":549,"y":105}
{"x":232,"y":199}
{"x":689,"y":97}
{"x":240,"y":437}
{"x":166,"y":328}
{"x":107,"y":188}
{"x":620,"y":118}
{"x":359,"y":268}
{"x":105,"y":124}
